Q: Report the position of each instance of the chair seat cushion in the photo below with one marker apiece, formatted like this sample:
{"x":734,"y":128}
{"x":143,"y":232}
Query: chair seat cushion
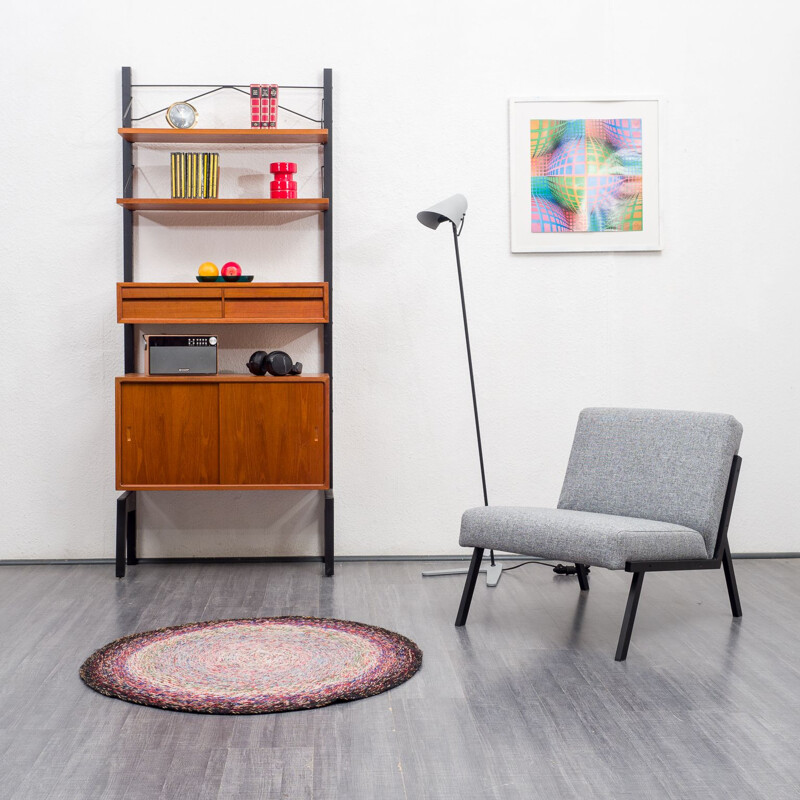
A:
{"x":583,"y":537}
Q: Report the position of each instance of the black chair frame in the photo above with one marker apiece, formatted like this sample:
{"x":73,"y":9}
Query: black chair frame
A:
{"x":721,"y":558}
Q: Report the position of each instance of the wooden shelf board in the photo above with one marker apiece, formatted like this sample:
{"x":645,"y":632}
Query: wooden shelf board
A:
{"x":223,"y":204}
{"x":223,"y":378}
{"x":223,"y":321}
{"x":214,"y":487}
{"x":227,"y":135}
{"x":227,"y":285}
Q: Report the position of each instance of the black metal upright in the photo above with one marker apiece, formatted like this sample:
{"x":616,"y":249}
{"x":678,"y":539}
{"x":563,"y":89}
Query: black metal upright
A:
{"x":126,"y":502}
{"x":327,"y":225}
{"x":127,"y":214}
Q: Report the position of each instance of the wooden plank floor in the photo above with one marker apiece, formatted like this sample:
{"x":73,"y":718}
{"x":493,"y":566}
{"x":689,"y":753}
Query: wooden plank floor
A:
{"x":525,"y":702}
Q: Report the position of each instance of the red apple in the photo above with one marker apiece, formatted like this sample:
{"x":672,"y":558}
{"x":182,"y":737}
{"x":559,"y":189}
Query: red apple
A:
{"x":231,"y":268}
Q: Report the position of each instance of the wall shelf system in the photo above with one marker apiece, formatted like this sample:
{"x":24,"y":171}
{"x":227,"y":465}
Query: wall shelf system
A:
{"x":223,"y":432}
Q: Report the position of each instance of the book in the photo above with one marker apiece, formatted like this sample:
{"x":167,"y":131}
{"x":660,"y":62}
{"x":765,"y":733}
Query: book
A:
{"x":269,"y":105}
{"x":214,"y":173}
{"x":193,"y":175}
{"x":255,"y":105}
{"x":264,"y":109}
{"x":273,"y":105}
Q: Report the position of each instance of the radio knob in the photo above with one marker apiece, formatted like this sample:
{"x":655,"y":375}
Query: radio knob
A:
{"x":212,"y":340}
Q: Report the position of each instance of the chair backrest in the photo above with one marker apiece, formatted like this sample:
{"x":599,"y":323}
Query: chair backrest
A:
{"x":670,"y":466}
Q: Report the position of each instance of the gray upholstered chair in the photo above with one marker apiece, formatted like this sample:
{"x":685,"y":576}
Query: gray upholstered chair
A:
{"x":645,"y":491}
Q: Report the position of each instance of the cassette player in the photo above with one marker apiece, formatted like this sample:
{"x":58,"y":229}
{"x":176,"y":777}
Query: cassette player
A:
{"x":180,"y":355}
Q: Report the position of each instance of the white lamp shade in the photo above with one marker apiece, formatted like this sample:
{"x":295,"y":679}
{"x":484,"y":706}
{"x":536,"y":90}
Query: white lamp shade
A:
{"x":450,"y":210}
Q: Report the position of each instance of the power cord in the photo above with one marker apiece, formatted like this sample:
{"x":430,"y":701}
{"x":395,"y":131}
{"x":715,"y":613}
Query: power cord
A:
{"x":559,"y":569}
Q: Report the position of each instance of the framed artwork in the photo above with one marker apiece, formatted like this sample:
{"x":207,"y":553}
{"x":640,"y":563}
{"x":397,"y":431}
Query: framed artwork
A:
{"x":584,"y":175}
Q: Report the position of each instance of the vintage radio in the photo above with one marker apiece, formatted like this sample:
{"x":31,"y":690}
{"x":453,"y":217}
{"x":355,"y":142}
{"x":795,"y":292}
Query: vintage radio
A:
{"x":180,"y":355}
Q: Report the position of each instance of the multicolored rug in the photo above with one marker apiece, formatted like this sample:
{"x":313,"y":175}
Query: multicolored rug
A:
{"x":252,"y":666}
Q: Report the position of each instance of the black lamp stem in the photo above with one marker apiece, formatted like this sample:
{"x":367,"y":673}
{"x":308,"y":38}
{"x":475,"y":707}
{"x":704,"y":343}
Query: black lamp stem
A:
{"x":471,"y":375}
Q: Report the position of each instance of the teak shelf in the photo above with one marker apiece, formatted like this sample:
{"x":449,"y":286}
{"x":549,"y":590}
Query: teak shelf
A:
{"x":223,"y":204}
{"x":226,"y":135}
{"x":223,"y":432}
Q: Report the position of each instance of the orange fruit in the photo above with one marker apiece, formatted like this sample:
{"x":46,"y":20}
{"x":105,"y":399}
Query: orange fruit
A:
{"x":208,"y":269}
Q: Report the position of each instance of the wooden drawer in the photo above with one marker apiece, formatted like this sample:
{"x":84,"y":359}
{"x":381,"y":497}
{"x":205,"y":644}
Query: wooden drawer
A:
{"x":228,"y":303}
{"x":143,"y":302}
{"x":277,"y":303}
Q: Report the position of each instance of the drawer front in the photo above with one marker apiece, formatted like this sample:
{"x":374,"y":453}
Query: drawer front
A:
{"x":154,"y":304}
{"x":278,"y":304}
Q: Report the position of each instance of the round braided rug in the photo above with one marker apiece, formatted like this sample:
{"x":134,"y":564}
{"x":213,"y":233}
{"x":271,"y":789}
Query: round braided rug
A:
{"x":252,"y":666}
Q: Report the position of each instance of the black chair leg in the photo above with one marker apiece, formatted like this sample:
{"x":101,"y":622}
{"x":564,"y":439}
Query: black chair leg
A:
{"x":630,"y":616}
{"x":583,"y":578}
{"x":730,"y":579}
{"x":469,"y":586}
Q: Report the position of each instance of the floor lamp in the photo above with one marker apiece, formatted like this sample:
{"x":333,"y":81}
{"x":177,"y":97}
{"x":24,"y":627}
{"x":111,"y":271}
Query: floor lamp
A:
{"x":453,"y":210}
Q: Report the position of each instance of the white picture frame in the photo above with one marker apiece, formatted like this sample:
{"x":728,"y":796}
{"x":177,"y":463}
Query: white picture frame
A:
{"x":553,"y":208}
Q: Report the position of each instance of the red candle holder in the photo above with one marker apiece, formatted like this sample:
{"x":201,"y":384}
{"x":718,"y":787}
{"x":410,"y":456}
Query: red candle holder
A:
{"x":283,"y":187}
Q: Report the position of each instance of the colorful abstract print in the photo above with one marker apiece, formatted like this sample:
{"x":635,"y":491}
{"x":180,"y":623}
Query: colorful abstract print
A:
{"x":586,"y":175}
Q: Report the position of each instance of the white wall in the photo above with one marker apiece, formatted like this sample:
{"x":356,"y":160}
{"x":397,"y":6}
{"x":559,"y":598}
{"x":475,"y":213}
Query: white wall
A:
{"x":421,"y":96}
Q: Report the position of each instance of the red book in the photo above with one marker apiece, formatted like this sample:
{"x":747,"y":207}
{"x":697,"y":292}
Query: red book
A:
{"x":273,"y":105}
{"x":264,"y":105}
{"x":255,"y":105}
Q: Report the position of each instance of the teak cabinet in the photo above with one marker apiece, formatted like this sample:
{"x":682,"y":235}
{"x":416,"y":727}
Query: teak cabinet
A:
{"x":222,"y":431}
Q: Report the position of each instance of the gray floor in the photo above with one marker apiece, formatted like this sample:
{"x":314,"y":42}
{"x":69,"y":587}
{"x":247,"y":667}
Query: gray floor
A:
{"x":525,"y":702}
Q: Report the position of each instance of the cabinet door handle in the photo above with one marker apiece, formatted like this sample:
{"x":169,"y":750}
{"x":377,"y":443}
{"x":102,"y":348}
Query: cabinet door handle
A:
{"x":128,"y":433}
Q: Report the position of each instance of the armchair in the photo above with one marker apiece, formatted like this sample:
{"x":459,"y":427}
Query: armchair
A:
{"x":645,"y":491}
